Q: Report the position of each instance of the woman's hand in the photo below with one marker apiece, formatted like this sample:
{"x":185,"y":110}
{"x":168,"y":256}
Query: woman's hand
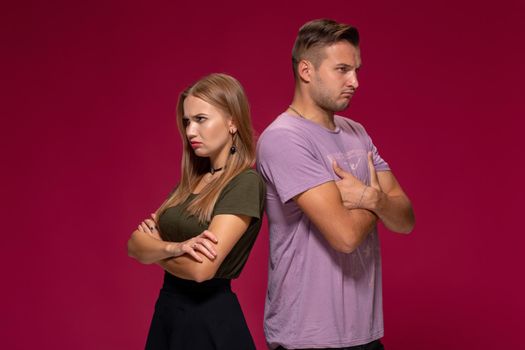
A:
{"x":149,"y":226}
{"x":202,"y":243}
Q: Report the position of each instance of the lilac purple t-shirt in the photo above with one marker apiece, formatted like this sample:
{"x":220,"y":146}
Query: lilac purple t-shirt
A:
{"x":317,"y":296}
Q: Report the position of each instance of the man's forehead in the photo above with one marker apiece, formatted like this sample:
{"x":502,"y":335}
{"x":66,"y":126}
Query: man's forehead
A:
{"x":343,"y":52}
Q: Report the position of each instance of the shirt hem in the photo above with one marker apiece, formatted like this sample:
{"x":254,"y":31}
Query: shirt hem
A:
{"x":325,"y":344}
{"x":236,"y":211}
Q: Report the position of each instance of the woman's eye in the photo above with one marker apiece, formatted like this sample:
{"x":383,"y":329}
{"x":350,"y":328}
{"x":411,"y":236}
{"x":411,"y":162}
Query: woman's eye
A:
{"x":200,"y":119}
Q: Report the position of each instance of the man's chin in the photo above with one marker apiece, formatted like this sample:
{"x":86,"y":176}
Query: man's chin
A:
{"x":342,"y":106}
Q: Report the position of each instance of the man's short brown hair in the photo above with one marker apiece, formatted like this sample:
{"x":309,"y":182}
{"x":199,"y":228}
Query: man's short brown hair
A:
{"x":317,"y":34}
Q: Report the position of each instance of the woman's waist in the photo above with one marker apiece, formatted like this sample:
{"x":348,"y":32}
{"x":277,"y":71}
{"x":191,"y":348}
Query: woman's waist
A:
{"x":176,"y":285}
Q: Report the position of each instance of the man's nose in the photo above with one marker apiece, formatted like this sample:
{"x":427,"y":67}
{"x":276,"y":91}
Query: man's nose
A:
{"x":352,"y":80}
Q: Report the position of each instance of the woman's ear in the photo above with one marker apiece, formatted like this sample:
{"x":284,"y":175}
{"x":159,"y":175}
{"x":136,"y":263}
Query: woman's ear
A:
{"x":231,"y":127}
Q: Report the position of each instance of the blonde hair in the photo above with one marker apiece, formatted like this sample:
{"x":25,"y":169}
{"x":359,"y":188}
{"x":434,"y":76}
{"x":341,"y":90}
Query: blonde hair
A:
{"x":225,"y":93}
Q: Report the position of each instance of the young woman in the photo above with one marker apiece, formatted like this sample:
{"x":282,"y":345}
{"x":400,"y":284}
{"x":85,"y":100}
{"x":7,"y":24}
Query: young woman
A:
{"x":203,"y":233}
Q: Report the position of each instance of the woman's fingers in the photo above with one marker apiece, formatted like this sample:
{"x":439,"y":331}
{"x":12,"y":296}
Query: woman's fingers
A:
{"x":151,"y":224}
{"x":206,"y":248}
{"x":145,"y":227}
{"x":190,"y":250}
{"x":210,"y":235}
{"x":201,"y":245}
{"x":201,"y":248}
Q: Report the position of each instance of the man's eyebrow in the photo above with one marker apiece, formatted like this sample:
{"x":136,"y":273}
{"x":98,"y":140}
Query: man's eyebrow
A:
{"x":345,"y":65}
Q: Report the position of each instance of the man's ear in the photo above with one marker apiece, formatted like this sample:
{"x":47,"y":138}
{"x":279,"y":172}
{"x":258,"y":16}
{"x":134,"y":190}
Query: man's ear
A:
{"x":305,"y":69}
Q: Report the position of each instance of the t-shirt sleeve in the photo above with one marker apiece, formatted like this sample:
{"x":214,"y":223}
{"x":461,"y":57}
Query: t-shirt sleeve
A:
{"x":379,"y":163}
{"x":286,"y":160}
{"x":244,"y":195}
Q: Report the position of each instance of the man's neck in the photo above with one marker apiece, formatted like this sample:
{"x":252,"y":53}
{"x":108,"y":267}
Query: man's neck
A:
{"x":307,"y":109}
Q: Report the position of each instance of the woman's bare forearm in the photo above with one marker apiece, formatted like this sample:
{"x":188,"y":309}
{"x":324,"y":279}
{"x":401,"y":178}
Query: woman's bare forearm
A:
{"x":148,"y":249}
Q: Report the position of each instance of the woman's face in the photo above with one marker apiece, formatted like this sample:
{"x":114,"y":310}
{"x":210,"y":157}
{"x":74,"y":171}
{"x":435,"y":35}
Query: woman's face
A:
{"x":207,"y":129}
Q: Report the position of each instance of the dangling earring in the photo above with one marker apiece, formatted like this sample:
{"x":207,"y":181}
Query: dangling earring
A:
{"x":233,"y":148}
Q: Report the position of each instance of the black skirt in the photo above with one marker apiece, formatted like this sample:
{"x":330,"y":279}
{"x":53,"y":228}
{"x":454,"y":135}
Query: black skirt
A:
{"x":190,"y":315}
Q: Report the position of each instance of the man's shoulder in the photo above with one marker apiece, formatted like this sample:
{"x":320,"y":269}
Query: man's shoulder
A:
{"x":348,"y":123}
{"x":282,"y":122}
{"x":283,"y":128}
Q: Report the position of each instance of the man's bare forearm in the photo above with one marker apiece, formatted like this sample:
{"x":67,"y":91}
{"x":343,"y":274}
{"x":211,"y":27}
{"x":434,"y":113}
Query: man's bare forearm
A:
{"x":395,"y":211}
{"x":363,"y":222}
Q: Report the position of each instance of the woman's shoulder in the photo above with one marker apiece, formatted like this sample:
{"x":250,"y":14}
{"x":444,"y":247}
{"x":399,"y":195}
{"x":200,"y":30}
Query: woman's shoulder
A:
{"x":250,"y":176}
{"x":247,"y":178}
{"x":249,"y":173}
{"x":245,"y":189}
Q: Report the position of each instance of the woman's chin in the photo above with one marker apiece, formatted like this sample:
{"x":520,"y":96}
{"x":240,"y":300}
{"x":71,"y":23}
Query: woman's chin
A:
{"x":200,"y":153}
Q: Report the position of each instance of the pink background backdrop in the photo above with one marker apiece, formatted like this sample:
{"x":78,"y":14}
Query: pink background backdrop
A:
{"x":89,"y":148}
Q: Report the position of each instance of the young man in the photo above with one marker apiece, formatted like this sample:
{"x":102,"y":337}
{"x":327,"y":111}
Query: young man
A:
{"x":327,"y":186}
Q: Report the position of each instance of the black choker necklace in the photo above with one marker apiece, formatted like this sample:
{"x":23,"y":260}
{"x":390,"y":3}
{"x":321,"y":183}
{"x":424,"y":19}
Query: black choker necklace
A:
{"x":214,"y":170}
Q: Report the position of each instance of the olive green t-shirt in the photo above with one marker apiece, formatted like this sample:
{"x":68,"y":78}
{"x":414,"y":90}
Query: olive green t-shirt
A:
{"x":243,"y":195}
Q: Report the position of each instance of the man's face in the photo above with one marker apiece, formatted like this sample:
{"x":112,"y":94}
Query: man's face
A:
{"x":334,"y":82}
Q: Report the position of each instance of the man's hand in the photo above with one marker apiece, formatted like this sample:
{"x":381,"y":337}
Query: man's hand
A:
{"x":384,"y":197}
{"x":354,"y":192}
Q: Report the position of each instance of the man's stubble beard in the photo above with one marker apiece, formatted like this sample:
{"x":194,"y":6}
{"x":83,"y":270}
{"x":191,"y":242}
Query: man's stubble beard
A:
{"x":325,"y":101}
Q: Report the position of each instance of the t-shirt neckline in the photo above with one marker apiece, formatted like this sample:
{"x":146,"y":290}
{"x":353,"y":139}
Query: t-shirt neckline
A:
{"x":337,"y":129}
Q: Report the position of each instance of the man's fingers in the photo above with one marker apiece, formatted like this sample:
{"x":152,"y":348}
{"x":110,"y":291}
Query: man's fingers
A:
{"x":337,"y":169}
